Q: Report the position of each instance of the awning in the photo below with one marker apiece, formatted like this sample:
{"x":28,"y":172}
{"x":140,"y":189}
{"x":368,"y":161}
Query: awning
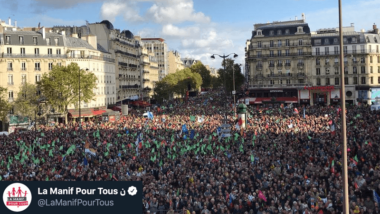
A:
{"x":260,"y":100}
{"x":86,"y":112}
{"x":99,"y":112}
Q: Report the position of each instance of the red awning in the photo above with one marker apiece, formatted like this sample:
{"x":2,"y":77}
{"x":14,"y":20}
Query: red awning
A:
{"x":99,"y":112}
{"x":259,"y":100}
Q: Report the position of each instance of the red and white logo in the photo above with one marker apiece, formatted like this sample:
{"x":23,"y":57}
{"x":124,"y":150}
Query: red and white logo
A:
{"x":17,"y":197}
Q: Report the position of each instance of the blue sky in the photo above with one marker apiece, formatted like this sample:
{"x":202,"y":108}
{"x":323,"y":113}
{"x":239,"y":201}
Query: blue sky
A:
{"x":196,"y":28}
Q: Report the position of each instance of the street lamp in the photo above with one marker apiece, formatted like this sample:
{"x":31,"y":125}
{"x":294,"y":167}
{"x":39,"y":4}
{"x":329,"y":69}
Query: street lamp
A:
{"x":79,"y":98}
{"x":346,"y":208}
{"x":224,"y":66}
{"x":39,"y":114}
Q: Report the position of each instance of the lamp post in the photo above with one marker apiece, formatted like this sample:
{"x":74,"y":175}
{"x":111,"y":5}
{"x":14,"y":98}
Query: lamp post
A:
{"x":224,"y":67}
{"x":343,"y":100}
{"x":35,"y":115}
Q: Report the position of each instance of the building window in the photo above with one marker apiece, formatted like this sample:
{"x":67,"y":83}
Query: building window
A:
{"x":336,"y":81}
{"x":362,"y":49}
{"x":259,"y":44}
{"x":10,"y":94}
{"x":344,"y":40}
{"x":271,"y":53}
{"x":370,"y":59}
{"x":327,"y":51}
{"x":336,"y":50}
{"x":258,"y":54}
{"x":377,"y":49}
{"x":272,"y":82}
{"x":287,"y":43}
{"x":327,"y":81}
{"x":22,"y":51}
{"x":371,"y":69}
{"x":346,"y":80}
{"x":354,"y":70}
{"x":288,"y":82}
{"x":59,"y":64}
{"x":317,"y":51}
{"x":259,"y":32}
{"x":279,"y":32}
{"x":37,"y":66}
{"x":362,"y":60}
{"x":353,"y":40}
{"x":378,"y":80}
{"x":287,"y":52}
{"x":271,"y":33}
{"x":10,"y":79}
{"x":371,"y":80}
{"x":36,"y":51}
{"x":300,"y":52}
{"x":363,"y":80}
{"x":363,"y":69}
{"x":335,"y":41}
{"x":7,"y":40}
{"x":10,"y":66}
{"x":345,"y":70}
{"x":38,"y":78}
{"x":300,"y":29}
{"x":279,"y":53}
{"x":287,"y":31}
{"x":21,"y":40}
{"x":50,"y":66}
{"x":271,"y":43}
{"x":317,"y":42}
{"x":9,"y":51}
{"x":370,"y":49}
{"x":327,"y":60}
{"x":355,"y":80}
{"x":336,"y":71}
{"x":378,"y":69}
{"x":23,"y":78}
{"x":35,"y":41}
{"x":300,"y":42}
{"x":318,"y":61}
{"x":345,"y":49}
{"x":48,"y":41}
{"x":279,"y":43}
{"x":50,"y":51}
{"x":318,"y":71}
{"x":23,"y":66}
{"x":318,"y":81}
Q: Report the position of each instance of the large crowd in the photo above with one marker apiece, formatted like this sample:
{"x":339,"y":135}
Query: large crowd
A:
{"x":283,"y":161}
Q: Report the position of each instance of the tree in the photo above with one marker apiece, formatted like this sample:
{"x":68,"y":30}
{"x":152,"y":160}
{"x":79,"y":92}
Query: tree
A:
{"x":60,"y":86}
{"x":26,"y":101}
{"x":204,"y":72}
{"x":5,"y":106}
{"x":228,"y":75}
{"x":177,"y":83}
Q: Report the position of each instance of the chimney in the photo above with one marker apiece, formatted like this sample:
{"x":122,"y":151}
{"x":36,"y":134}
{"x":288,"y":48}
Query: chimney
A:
{"x":303,"y":17}
{"x":50,"y":31}
{"x":43,"y":33}
{"x":9,"y":21}
{"x":15,"y":24}
{"x":374,"y":26}
{"x":63,"y":33}
{"x":75,"y":35}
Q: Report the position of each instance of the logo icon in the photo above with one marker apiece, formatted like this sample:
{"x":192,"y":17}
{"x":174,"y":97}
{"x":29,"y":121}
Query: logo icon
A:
{"x":132,"y":191}
{"x":17,"y":197}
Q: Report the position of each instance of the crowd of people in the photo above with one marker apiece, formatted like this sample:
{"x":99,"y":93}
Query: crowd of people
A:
{"x":283,"y":161}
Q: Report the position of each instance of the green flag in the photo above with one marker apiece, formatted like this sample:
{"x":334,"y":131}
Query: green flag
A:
{"x":241,"y":148}
{"x":152,"y":150}
{"x":252,"y":158}
{"x":61,"y":147}
{"x":42,"y":134}
{"x":160,"y":163}
{"x":47,"y":178}
{"x":356,"y":158}
{"x":192,"y":118}
{"x":309,"y":137}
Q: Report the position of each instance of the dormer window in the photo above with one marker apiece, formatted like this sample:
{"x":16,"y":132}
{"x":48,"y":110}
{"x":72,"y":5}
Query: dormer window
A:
{"x":344,"y":40}
{"x":287,"y":31}
{"x":271,"y":33}
{"x":300,"y":29}
{"x":368,"y":39}
{"x":335,"y":40}
{"x":47,"y":41}
{"x":353,"y":40}
{"x":327,"y":42}
{"x":375,"y":39}
{"x":279,"y":32}
{"x":317,"y":42}
{"x":259,"y":33}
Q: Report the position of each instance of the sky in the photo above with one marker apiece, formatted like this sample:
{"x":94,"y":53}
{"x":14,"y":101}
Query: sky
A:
{"x":195,"y":28}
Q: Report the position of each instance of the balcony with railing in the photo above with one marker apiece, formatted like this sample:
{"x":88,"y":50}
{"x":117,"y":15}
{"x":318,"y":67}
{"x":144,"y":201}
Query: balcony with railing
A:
{"x":279,"y":45}
{"x":300,"y":65}
{"x":37,"y":69}
{"x":259,"y":67}
{"x":146,"y":80}
{"x":279,"y":65}
{"x":145,"y":72}
{"x":10,"y":99}
{"x":280,"y":75}
{"x":9,"y":69}
{"x":271,"y":65}
{"x":280,"y":85}
{"x":129,"y":86}
{"x":124,"y":43}
{"x":34,"y":56}
{"x":125,"y":53}
{"x":147,"y":89}
{"x":287,"y":65}
{"x":10,"y":83}
{"x":279,"y":55}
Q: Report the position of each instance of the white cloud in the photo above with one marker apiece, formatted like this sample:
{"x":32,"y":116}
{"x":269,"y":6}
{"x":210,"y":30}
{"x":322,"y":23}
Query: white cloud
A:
{"x":175,"y":11}
{"x":129,"y":11}
{"x":172,"y":31}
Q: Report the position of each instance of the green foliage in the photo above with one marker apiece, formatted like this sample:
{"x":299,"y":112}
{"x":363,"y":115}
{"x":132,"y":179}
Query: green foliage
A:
{"x":26,"y":101}
{"x":177,"y":83}
{"x":61,"y":86}
{"x":205,"y":74}
{"x":228,"y":75}
{"x":5,"y":106}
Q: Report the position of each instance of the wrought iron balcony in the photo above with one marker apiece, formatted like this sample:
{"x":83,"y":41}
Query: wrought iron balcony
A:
{"x":145,"y":72}
{"x":259,"y":67}
{"x":146,"y":80}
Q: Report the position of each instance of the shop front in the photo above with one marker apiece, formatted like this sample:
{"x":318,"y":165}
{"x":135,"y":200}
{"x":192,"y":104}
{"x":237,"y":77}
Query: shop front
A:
{"x":273,"y":97}
{"x":363,"y":95}
{"x":321,"y":95}
{"x":375,"y":95}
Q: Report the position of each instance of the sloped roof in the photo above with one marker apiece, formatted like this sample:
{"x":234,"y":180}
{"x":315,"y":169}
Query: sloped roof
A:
{"x":77,"y":43}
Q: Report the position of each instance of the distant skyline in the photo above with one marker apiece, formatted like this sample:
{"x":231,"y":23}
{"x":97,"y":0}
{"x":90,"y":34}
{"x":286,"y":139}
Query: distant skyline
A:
{"x":195,"y":28}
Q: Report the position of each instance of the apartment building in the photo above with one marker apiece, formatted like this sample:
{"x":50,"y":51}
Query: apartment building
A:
{"x":277,"y":61}
{"x":175,"y":62}
{"x":159,"y":48}
{"x":361,"y":65}
{"x":27,"y":55}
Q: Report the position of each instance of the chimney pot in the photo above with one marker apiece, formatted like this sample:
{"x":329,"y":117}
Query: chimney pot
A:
{"x":9,"y":21}
{"x":374,"y":26}
{"x":15,"y":24}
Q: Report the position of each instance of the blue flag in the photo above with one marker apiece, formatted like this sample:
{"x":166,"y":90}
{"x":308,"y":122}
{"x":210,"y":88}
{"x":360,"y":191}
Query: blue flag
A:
{"x":184,"y":137}
{"x":85,"y":162}
{"x":218,"y":130}
{"x":376,"y":197}
{"x":150,"y":115}
{"x":184,"y":129}
{"x":127,"y":132}
{"x":192,"y":133}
